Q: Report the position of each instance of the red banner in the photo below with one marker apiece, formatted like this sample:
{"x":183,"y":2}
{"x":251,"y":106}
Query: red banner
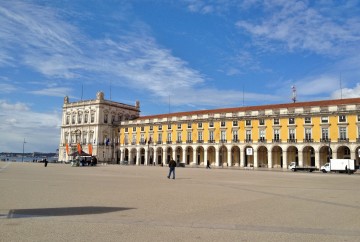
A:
{"x":79,"y":148}
{"x":67,"y":148}
{"x":90,"y":149}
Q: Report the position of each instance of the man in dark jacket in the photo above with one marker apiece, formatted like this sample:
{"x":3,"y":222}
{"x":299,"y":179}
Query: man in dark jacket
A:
{"x":172,"y":165}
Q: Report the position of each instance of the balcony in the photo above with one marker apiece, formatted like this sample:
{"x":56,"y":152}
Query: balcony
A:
{"x":308,"y":140}
{"x":133,"y":143}
{"x":142,"y":142}
{"x":159,"y":142}
{"x":326,"y":140}
{"x":248,"y":140}
{"x":292,"y":140}
{"x":189,"y":141}
{"x":178,"y":142}
{"x":276,"y":140}
{"x":223,"y":141}
{"x":200,"y":141}
{"x":262,"y":140}
{"x":211,"y":141}
{"x":343,"y":139}
{"x":235,"y":140}
{"x":168,"y":142}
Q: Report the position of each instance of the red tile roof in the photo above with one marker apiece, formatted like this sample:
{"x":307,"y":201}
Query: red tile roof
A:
{"x":321,"y":103}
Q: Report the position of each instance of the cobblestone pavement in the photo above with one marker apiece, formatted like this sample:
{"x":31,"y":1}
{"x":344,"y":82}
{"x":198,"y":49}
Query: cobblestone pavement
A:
{"x":132,"y":203}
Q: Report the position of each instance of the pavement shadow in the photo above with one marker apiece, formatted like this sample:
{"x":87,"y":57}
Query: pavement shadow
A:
{"x":66,"y":211}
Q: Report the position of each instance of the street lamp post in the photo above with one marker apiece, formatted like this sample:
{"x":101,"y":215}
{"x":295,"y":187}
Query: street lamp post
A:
{"x":22,"y":159}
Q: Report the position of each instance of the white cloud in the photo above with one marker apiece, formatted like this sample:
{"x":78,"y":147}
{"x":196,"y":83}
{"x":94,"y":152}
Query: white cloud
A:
{"x":347,"y":92}
{"x":302,"y":27}
{"x":54,"y":91}
{"x":41,"y":130}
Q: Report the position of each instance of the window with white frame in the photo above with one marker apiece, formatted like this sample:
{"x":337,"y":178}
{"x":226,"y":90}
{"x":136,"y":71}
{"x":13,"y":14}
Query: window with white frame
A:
{"x":134,"y":129}
{"x":79,"y":118}
{"x":92,"y":118}
{"x":276,"y":121}
{"x":325,"y":133}
{"x":324,"y":120}
{"x":160,"y":127}
{"x":223,"y":135}
{"x":189,"y":136}
{"x":105,"y":118}
{"x":142,"y":129}
{"x":342,"y":118}
{"x":358,"y":118}
{"x":84,"y":138}
{"x":112,"y":118}
{"x":291,"y":120}
{"x":200,"y":135}
{"x":248,"y":134}
{"x":126,"y":141}
{"x":159,"y":137}
{"x":169,"y":137}
{"x":189,"y":125}
{"x":235,"y":123}
{"x":248,"y":122}
{"x":91,"y":138}
{"x":261,"y":121}
{"x":211,"y":124}
{"x":222,"y":123}
{"x":73,"y":119}
{"x":307,"y":134}
{"x":178,"y":136}
{"x":178,"y":126}
{"x":169,"y":127}
{"x":211,"y":135}
{"x":151,"y":128}
{"x":343,"y":133}
{"x":308,"y":120}
{"x":66,"y":138}
{"x":235,"y":135}
{"x":276,"y":134}
{"x":200,"y":125}
{"x":142,"y":138}
{"x":86,"y":119}
{"x":291,"y":134}
{"x":262,"y":134}
{"x":134,"y":138}
{"x":67,"y":119}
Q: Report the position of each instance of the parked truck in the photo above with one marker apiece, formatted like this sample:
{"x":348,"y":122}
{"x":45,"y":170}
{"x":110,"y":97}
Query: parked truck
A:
{"x":295,"y":167}
{"x":339,"y":165}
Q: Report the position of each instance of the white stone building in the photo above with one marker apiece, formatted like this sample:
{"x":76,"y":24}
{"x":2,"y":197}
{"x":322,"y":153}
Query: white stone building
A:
{"x":94,"y":125}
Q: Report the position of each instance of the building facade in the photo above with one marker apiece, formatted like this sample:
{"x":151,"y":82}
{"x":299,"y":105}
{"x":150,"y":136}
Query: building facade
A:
{"x":94,"y":126}
{"x":269,"y":136}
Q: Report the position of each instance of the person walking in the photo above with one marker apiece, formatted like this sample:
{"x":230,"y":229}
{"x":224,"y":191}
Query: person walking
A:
{"x":208,"y":165}
{"x":46,"y":162}
{"x":172,"y":165}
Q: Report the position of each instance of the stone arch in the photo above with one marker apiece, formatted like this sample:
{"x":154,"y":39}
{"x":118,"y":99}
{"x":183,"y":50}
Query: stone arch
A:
{"x":142,"y":156}
{"x":159,"y":156}
{"x":308,"y":156}
{"x":178,"y":154}
{"x":223,"y":155}
{"x":343,"y":152}
{"x":262,"y":156}
{"x":189,"y":155}
{"x":276,"y":157}
{"x":235,"y":156}
{"x":169,"y":154}
{"x":325,"y":154}
{"x":292,"y":153}
{"x":133,"y":157}
{"x":248,"y":156}
{"x":211,"y":155}
{"x":200,"y":155}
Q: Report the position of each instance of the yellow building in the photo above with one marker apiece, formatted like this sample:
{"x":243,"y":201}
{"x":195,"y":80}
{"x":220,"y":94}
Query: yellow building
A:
{"x":269,"y":136}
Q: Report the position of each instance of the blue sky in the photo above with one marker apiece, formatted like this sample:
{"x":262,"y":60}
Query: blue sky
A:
{"x":198,"y":54}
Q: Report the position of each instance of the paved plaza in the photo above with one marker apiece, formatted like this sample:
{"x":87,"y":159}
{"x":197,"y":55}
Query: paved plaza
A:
{"x":132,"y":203}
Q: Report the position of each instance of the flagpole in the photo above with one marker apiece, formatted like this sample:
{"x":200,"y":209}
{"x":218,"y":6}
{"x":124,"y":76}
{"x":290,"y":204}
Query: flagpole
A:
{"x":22,"y":159}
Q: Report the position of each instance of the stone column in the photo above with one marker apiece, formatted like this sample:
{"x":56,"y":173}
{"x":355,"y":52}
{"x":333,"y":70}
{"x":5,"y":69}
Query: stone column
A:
{"x":164,"y":157}
{"x":138,"y":158}
{"x":194,"y":157}
{"x":269,"y":155}
{"x":217,"y":156}
{"x":285,"y":161}
{"x":155,"y":156}
{"x":122,"y":153}
{"x":229,"y":157}
{"x":242,"y":157}
{"x":317,"y":159}
{"x":184,"y":155}
{"x":146,"y":156}
{"x":300,"y":157}
{"x":256,"y":163}
{"x":205,"y":158}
